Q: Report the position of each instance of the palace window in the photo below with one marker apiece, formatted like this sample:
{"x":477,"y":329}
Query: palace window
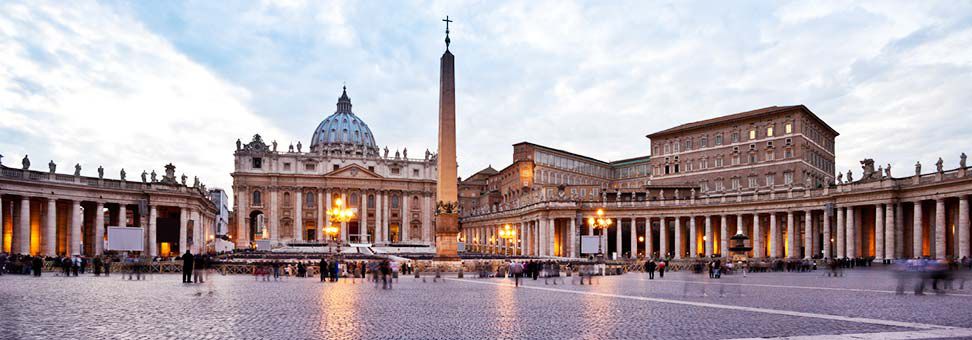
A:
{"x":688,"y":145}
{"x":788,"y":128}
{"x":770,"y":155}
{"x":735,"y":183}
{"x":354,"y":199}
{"x":752,"y":134}
{"x":704,"y":142}
{"x":788,"y":177}
{"x":787,"y":153}
{"x":752,"y":182}
{"x":789,"y":141}
{"x":310,"y":166}
{"x":396,"y":171}
{"x":256,"y":163}
{"x":286,"y":167}
{"x":704,"y":185}
{"x":770,"y":179}
{"x":718,"y":139}
{"x":752,"y":158}
{"x":735,"y":137}
{"x":675,"y":145}
{"x":257,"y":198}
{"x":667,"y":148}
{"x":769,"y":131}
{"x":415,"y":173}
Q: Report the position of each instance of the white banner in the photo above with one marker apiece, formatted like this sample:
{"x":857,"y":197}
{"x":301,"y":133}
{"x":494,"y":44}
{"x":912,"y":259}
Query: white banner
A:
{"x":126,"y":239}
{"x":590,"y":244}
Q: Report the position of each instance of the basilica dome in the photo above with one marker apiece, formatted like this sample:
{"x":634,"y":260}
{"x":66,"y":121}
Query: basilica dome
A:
{"x":343,"y":133}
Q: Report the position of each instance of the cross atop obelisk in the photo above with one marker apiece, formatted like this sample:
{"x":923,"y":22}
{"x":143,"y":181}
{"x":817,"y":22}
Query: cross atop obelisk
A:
{"x":447,"y":21}
{"x":447,"y":197}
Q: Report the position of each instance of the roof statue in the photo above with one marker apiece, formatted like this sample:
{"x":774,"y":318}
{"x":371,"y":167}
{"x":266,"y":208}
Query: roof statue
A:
{"x":962,"y":161}
{"x":887,"y":171}
{"x":184,"y":178}
{"x":122,"y":174}
{"x":939,"y":164}
{"x":77,"y":169}
{"x":274,"y":145}
{"x":144,"y":173}
{"x":101,"y":172}
{"x":52,"y":166}
{"x":25,"y":162}
{"x":918,"y":168}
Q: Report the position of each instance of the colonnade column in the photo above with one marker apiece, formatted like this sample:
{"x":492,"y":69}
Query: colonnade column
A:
{"x":679,"y":251}
{"x":879,"y":232}
{"x":808,"y":234}
{"x":940,"y":228}
{"x":298,"y":227}
{"x":841,"y":233}
{"x":663,"y":238}
{"x":22,"y":229}
{"x":723,"y":237}
{"x":1,"y":222}
{"x":917,"y":231}
{"x":774,"y":237}
{"x":573,"y":237}
{"x":99,"y":245}
{"x":791,"y":237}
{"x":963,"y":225}
{"x":617,"y":238}
{"x":183,"y":226}
{"x":327,"y":206}
{"x":634,"y":238}
{"x":122,"y":215}
{"x":852,"y":234}
{"x":827,"y":248}
{"x":152,"y":227}
{"x":50,"y":228}
{"x":899,"y":227}
{"x":551,"y":237}
{"x":693,"y":239}
{"x":889,"y":231}
{"x":708,"y":236}
{"x":363,"y":217}
{"x":758,"y":247}
{"x":344,"y":225}
{"x":76,"y":219}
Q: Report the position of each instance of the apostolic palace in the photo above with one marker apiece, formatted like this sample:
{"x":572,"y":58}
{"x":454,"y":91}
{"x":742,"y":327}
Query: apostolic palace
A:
{"x":767,"y":174}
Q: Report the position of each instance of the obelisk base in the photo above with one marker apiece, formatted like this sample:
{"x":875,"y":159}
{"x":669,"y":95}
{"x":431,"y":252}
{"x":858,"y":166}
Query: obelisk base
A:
{"x":446,"y":237}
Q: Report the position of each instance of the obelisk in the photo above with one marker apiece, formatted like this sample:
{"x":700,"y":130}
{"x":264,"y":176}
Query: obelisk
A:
{"x":447,"y":205}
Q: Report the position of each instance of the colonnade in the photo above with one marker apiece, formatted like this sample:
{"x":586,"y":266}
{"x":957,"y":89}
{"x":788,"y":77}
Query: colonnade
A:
{"x":533,"y":237}
{"x":51,"y":225}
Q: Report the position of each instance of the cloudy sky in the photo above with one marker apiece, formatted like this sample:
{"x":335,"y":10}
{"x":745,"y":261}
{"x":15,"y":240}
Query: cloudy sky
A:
{"x":137,"y":85}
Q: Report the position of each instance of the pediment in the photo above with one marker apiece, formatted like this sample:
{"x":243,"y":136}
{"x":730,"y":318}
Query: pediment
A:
{"x":353,"y":171}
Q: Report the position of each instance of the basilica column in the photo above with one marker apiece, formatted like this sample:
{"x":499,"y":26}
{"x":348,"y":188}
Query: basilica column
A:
{"x":723,"y":236}
{"x":791,"y":237}
{"x":940,"y":228}
{"x":379,"y":222}
{"x":298,"y":228}
{"x":693,"y":239}
{"x":679,"y":251}
{"x":320,"y":215}
{"x":757,"y":237}
{"x":242,"y":222}
{"x":76,"y":220}
{"x":100,"y":229}
{"x":852,"y":240}
{"x":50,"y":228}
{"x":343,"y":237}
{"x":427,"y":218}
{"x":327,"y":219}
{"x":708,"y":236}
{"x":889,"y":231}
{"x":879,"y":232}
{"x":917,"y":232}
{"x":363,"y":218}
{"x":1,"y":222}
{"x":183,"y":228}
{"x":406,"y":218}
{"x":774,"y":237}
{"x":827,"y":244}
{"x":963,"y":227}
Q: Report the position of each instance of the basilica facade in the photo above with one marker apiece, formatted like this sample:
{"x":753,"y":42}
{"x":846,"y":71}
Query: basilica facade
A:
{"x":284,"y":196}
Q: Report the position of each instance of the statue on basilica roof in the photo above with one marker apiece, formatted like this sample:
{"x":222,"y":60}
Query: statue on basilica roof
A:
{"x":77,"y":169}
{"x":274,"y":145}
{"x":122,"y":174}
{"x":386,"y":151}
{"x":887,"y":171}
{"x":405,"y":153}
{"x":850,"y":176}
{"x":918,"y":168}
{"x":52,"y":166}
{"x":397,"y":155}
{"x":144,"y":173}
{"x":939,"y":165}
{"x":101,"y":172}
{"x":195,"y":181}
{"x":154,"y":179}
{"x":239,"y":144}
{"x":25,"y":162}
{"x":962,"y":161}
{"x":291,"y":148}
{"x":840,"y":178}
{"x":298,"y":146}
{"x":184,"y":178}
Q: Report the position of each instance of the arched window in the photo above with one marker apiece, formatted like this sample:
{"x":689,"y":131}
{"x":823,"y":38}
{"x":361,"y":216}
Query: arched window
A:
{"x":394,"y":201}
{"x":257,"y":198}
{"x":354,"y":199}
{"x":286,"y":199}
{"x":371,"y":200}
{"x":415,"y":202}
{"x":309,"y":199}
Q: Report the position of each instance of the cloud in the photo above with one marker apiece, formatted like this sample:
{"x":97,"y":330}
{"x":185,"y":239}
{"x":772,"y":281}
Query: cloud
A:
{"x":89,"y":85}
{"x":587,"y":77}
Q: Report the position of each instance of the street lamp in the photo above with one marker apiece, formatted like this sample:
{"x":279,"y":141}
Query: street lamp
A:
{"x":506,"y":234}
{"x":599,"y":222}
{"x":338,"y":214}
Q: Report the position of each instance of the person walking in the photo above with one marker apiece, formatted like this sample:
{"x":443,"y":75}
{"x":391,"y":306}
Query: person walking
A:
{"x":650,"y":268}
{"x":187,"y":263}
{"x":37,"y":264}
{"x":661,"y":269}
{"x":516,"y":268}
{"x":322,"y":268}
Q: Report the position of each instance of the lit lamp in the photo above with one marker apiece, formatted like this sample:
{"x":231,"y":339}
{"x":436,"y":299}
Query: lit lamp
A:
{"x":599,"y":222}
{"x":338,"y":214}
{"x":506,"y":234}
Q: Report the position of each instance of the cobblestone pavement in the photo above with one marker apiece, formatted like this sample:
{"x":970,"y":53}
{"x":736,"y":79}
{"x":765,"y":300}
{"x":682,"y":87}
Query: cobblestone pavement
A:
{"x":630,"y":306}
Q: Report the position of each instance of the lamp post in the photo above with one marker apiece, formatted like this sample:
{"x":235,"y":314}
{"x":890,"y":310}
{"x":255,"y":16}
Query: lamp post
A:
{"x":338,"y":214}
{"x":600,"y":222}
{"x":506,"y":234}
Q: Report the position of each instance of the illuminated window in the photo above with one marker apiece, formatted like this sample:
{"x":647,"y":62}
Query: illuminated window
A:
{"x":789,"y":128}
{"x":752,"y":134}
{"x":769,"y":131}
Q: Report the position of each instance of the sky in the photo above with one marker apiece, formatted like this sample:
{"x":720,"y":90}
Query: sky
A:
{"x":137,"y":85}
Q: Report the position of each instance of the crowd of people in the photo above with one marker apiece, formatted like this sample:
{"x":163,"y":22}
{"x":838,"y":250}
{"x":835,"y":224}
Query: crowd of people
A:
{"x":942,"y":274}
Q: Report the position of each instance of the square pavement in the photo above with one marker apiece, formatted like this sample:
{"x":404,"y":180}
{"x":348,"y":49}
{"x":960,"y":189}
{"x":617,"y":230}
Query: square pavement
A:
{"x":861,"y":305}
